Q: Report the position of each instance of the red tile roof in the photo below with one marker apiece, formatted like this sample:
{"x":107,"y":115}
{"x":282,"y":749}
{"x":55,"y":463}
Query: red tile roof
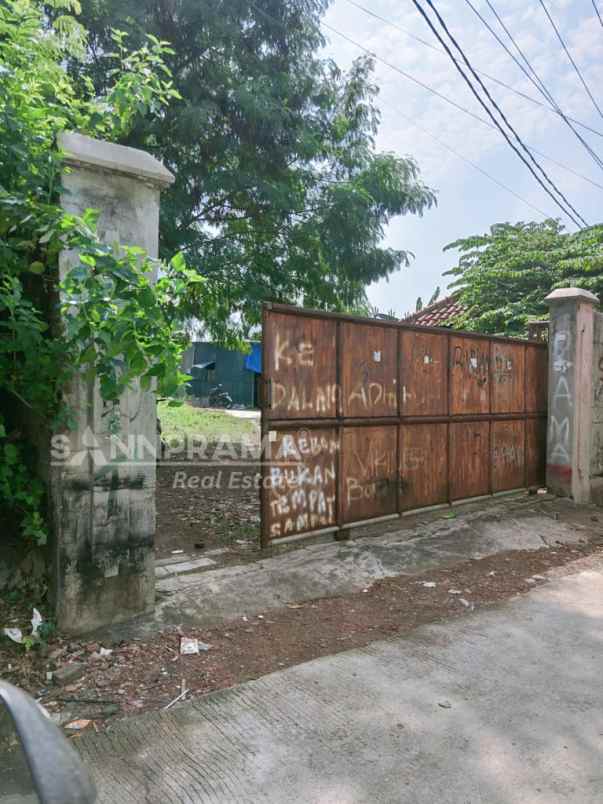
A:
{"x":439,"y":314}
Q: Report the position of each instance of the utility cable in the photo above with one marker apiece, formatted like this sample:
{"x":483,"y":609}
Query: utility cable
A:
{"x":449,"y":101}
{"x":564,"y":205}
{"x":492,"y":78}
{"x":570,"y":57}
{"x":531,"y":73}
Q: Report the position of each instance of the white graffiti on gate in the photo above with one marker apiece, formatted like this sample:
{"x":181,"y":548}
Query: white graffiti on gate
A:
{"x":300,"y":355}
{"x":299,"y":399}
{"x":302,"y":495}
{"x":374,"y":476}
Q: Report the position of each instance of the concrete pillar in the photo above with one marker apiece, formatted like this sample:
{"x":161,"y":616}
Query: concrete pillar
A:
{"x":103,"y":500}
{"x":571,"y":330}
{"x":596,"y":450}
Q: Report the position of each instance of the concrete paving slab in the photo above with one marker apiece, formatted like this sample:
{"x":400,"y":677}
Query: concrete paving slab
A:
{"x":173,"y":570}
{"x":338,"y":568}
{"x":502,"y":706}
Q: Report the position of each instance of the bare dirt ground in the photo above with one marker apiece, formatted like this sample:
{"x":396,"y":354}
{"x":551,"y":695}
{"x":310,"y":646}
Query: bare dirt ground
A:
{"x":143,"y":674}
{"x":204,"y":500}
{"x":203,"y":506}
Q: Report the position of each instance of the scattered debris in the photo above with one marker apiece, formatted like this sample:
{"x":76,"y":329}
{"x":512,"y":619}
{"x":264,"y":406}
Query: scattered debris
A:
{"x":465,"y":603}
{"x":15,"y":634}
{"x":144,"y":674}
{"x":183,"y":693}
{"x":102,"y":653}
{"x":454,"y":592}
{"x":36,"y":622}
{"x":429,"y":584}
{"x":78,"y":725}
{"x":189,"y":647}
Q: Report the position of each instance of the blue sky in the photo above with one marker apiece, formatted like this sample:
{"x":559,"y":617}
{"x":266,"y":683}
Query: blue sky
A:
{"x":468,"y":202}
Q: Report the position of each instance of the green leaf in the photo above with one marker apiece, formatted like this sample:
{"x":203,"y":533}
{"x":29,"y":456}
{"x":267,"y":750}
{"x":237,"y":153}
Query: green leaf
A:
{"x":11,"y":453}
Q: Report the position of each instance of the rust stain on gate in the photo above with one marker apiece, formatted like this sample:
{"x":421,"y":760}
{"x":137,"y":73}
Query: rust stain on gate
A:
{"x":365,"y":419}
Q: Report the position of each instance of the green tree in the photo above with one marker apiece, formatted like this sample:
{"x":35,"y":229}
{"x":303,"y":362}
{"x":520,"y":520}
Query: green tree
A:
{"x":106,"y":320}
{"x":280,"y":193}
{"x":504,"y":276}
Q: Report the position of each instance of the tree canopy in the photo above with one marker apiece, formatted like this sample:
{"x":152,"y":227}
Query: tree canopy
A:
{"x":280,"y":193}
{"x":106,"y":320}
{"x":504,"y":276}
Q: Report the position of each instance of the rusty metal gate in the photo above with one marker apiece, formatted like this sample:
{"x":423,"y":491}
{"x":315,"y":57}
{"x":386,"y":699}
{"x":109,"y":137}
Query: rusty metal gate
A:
{"x":366,"y":419}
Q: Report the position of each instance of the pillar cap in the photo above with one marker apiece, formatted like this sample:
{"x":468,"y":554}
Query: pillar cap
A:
{"x":82,"y":151}
{"x":571,"y":294}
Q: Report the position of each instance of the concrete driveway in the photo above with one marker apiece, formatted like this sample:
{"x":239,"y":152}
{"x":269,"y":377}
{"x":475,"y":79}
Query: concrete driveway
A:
{"x":418,"y":544}
{"x":503,"y":705}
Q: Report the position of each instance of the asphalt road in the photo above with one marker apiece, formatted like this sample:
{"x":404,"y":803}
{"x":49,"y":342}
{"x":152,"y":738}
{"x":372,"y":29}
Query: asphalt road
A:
{"x":503,"y":705}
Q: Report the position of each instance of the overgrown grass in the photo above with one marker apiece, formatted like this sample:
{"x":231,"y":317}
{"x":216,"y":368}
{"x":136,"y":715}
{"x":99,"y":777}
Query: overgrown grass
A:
{"x":186,"y":421}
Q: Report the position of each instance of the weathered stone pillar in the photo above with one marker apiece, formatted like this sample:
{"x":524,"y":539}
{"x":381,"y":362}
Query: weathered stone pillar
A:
{"x":571,"y":330}
{"x":103,"y":498}
{"x":596,"y":449}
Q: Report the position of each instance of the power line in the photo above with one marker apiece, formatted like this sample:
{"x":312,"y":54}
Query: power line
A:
{"x":576,"y":218}
{"x":452,"y":103}
{"x":492,"y":78}
{"x":473,"y":164}
{"x":569,"y":55}
{"x":413,"y":122}
{"x":532,"y":75}
{"x":596,"y":7}
{"x":427,"y":131}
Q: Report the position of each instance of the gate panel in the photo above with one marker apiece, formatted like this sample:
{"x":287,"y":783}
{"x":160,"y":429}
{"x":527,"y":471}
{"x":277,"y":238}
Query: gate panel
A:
{"x":469,"y":459}
{"x":301,"y":495}
{"x":365,"y":419}
{"x":537,"y":376}
{"x":535,"y":452}
{"x":469,"y":375}
{"x":300,"y":356}
{"x":369,"y":370}
{"x":508,"y":378}
{"x":508,"y":455}
{"x":423,"y":374}
{"x":423,"y":465}
{"x":369,"y":472}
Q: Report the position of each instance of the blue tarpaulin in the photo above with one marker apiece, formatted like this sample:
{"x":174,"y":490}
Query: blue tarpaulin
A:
{"x":253,"y":361}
